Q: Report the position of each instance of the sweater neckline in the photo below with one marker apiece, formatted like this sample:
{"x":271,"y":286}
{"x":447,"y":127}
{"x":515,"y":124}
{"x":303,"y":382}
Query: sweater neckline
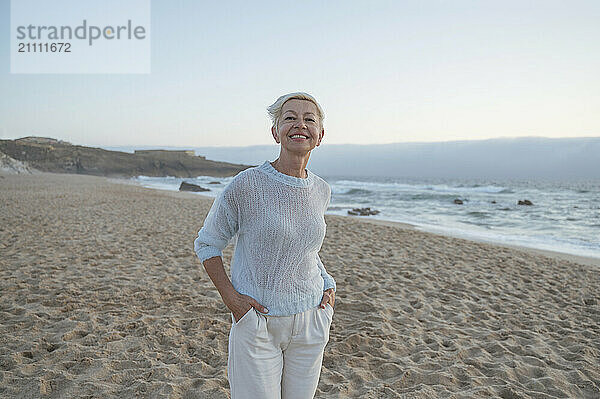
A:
{"x":282,"y":177}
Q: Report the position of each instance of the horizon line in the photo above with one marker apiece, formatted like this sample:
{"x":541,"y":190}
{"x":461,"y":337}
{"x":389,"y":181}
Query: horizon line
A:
{"x":328,"y":144}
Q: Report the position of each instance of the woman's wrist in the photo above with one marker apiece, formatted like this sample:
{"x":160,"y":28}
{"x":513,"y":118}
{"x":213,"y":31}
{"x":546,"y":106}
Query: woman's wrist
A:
{"x":229,"y":296}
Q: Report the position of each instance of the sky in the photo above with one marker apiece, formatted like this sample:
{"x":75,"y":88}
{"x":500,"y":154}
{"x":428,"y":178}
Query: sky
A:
{"x":384,"y":72}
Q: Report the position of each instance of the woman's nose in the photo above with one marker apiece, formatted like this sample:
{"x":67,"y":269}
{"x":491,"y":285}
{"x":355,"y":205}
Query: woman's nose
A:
{"x":301,"y":123}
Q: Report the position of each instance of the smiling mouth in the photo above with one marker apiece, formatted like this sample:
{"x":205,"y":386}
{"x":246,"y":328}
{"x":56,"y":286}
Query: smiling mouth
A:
{"x":298,"y":137}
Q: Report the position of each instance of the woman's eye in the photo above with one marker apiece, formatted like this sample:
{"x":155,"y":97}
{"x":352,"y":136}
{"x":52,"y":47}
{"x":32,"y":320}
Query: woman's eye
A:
{"x":310,"y":119}
{"x":289,"y":117}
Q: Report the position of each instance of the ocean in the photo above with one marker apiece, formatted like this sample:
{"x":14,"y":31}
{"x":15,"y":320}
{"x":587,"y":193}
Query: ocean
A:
{"x":564,"y":217}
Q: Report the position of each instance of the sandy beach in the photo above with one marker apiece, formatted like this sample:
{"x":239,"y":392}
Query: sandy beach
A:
{"x":102,"y":296}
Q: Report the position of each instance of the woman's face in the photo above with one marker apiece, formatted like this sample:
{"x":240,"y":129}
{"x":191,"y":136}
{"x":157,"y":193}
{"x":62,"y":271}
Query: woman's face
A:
{"x":299,"y":117}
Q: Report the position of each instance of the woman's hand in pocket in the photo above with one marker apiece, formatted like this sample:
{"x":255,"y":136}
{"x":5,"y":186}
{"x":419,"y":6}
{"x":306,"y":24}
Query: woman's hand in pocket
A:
{"x":328,"y":296}
{"x":240,"y":304}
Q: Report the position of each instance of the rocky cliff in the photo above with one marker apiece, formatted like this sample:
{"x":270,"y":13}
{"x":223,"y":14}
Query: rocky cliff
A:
{"x":51,"y":155}
{"x":12,"y":166}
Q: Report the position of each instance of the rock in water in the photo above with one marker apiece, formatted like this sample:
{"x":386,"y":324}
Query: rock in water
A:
{"x":191,"y":187}
{"x":363,"y":212}
{"x":525,"y":202}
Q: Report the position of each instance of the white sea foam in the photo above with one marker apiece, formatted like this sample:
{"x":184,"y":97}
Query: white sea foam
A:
{"x":565,"y":217}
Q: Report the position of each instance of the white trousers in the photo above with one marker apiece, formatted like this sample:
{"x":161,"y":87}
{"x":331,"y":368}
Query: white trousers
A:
{"x":277,"y":357}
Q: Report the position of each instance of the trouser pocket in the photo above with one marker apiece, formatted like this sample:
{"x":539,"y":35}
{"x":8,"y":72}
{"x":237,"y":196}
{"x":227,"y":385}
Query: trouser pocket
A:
{"x":329,"y":309}
{"x":243,"y":318}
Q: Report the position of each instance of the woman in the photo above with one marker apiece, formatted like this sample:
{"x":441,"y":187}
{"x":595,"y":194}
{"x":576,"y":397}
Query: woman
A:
{"x":280,"y":295}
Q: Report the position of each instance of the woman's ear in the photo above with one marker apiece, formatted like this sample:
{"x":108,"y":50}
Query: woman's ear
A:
{"x":321,"y":136}
{"x":274,"y":133}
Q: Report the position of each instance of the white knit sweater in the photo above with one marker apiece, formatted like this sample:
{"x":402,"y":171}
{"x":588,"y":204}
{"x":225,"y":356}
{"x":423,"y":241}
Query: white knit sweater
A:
{"x":279,"y":225}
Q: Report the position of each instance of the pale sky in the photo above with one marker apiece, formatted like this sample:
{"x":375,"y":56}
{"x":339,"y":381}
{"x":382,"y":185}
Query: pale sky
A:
{"x":384,"y":71}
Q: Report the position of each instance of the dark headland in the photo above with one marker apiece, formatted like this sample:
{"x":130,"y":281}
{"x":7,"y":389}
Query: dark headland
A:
{"x":57,"y":156}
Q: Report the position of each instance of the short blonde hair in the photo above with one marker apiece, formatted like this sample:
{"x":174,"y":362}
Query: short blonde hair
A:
{"x":275,"y":108}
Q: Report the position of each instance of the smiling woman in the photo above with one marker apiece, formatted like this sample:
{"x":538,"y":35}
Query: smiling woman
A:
{"x":277,"y":109}
{"x":280,"y":295}
{"x":294,"y":116}
{"x":298,"y":126}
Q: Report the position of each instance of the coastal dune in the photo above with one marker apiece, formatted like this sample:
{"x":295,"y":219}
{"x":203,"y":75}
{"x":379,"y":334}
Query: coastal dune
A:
{"x":102,"y":296}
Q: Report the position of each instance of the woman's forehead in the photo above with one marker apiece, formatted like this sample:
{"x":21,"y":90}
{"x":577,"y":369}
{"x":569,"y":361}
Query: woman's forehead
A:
{"x":299,"y":105}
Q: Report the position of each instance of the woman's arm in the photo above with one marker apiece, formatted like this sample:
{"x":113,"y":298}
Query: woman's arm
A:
{"x":329,"y":286}
{"x":220,"y":225}
{"x":216,"y":271}
{"x":329,"y":281}
{"x":238,"y":304}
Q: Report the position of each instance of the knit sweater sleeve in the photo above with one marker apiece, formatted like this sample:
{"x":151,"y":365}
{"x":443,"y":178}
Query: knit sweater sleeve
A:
{"x":220,"y":225}
{"x":329,"y":281}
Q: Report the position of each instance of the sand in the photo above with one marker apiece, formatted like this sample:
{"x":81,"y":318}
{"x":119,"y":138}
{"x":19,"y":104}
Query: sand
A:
{"x":102,"y":297}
